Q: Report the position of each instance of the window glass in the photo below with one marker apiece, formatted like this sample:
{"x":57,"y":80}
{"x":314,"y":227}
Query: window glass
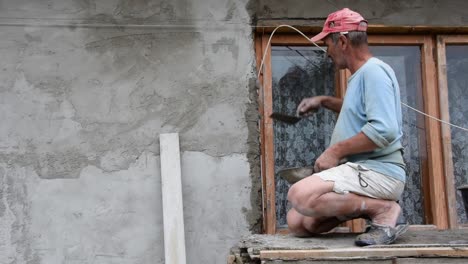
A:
{"x":457,"y":80}
{"x":406,"y":62}
{"x":299,"y":72}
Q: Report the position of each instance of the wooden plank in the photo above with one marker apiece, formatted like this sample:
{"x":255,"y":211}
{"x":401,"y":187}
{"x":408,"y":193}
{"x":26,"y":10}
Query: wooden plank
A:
{"x":363,"y":253}
{"x":395,"y":39}
{"x":259,"y":54}
{"x":386,"y":261}
{"x":422,"y":227}
{"x":292,"y":40}
{"x":338,"y":229}
{"x":296,"y":39}
{"x":455,"y":39}
{"x":174,"y":237}
{"x":270,"y":192}
{"x":430,"y":261}
{"x":446,"y":135}
{"x":422,"y":143}
{"x":434,"y":146}
{"x":313,"y":26}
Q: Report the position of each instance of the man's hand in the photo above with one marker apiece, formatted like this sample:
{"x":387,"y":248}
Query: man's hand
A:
{"x":327,"y":160}
{"x":309,"y":105}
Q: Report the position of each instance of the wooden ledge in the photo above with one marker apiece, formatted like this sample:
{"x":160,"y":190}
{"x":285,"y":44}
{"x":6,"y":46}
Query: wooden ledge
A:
{"x":365,"y":253}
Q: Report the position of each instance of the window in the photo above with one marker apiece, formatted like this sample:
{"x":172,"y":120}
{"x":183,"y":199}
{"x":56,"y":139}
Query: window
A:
{"x":436,"y":155}
{"x":452,"y":57}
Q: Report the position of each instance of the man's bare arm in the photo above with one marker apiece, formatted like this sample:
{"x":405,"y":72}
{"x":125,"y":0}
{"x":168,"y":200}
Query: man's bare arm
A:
{"x":332,"y":103}
{"x":357,"y":144}
{"x":312,"y":104}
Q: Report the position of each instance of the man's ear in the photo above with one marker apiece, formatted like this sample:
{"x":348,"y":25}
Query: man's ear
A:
{"x":344,"y":41}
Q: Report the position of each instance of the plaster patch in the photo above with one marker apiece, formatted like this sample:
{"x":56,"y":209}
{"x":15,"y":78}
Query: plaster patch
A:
{"x":229,"y":44}
{"x":119,"y":159}
{"x":62,"y":164}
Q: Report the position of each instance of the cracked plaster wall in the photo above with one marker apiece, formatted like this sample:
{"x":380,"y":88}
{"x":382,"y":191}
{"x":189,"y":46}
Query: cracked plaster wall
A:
{"x":86,"y":88}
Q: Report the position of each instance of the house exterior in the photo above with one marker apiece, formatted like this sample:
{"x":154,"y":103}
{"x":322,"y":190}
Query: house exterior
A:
{"x":88,"y":86}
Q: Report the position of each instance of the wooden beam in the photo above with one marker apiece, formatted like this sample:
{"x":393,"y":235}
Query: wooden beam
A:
{"x":421,"y":227}
{"x":269,"y":151}
{"x":446,"y":135}
{"x":363,"y":253}
{"x":434,"y":144}
{"x":173,"y":216}
{"x":313,"y":26}
{"x":259,"y":82}
{"x":298,"y":40}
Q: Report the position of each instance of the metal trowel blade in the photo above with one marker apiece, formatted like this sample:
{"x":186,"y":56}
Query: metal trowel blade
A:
{"x":285,"y":118}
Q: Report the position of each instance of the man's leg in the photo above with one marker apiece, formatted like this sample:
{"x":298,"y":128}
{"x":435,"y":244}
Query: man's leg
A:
{"x":315,"y":197}
{"x":305,"y":226}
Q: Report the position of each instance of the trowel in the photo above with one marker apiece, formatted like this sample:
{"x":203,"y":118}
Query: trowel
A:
{"x":293,"y":175}
{"x":290,"y":119}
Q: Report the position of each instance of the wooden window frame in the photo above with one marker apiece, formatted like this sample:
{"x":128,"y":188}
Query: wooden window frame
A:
{"x":442,"y":41}
{"x":436,"y":208}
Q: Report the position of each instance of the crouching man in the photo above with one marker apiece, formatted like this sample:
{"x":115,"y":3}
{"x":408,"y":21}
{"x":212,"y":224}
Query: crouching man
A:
{"x":361,"y":173}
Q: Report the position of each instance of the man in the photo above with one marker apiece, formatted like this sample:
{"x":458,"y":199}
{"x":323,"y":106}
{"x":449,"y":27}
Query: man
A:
{"x":361,"y":173}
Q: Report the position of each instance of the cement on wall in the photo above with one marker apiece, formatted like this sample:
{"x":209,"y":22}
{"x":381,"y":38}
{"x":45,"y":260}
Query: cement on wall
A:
{"x":86,"y":88}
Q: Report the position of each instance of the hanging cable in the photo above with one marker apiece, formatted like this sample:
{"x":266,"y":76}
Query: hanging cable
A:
{"x":435,"y":118}
{"x":269,"y":41}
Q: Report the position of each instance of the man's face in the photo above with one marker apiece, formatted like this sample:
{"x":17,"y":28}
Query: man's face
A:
{"x":335,"y":52}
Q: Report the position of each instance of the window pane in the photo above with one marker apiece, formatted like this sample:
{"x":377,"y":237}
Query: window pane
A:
{"x":406,"y":62}
{"x":457,"y":80}
{"x":299,"y":72}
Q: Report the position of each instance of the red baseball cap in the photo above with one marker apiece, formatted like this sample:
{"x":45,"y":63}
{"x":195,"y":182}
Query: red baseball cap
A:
{"x":343,"y":20}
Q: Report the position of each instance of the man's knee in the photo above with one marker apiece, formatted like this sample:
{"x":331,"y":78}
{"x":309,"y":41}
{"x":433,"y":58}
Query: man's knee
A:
{"x":293,"y":220}
{"x":299,"y":193}
{"x":304,"y":194}
{"x":296,"y":224}
{"x":293,"y":194}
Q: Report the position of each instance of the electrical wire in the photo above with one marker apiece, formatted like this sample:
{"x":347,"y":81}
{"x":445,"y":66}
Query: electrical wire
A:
{"x":308,"y":39}
{"x":435,"y":118}
{"x":269,"y":41}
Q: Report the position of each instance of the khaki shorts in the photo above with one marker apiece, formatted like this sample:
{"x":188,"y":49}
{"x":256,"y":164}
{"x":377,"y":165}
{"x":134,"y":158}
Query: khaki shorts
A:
{"x":355,"y":178}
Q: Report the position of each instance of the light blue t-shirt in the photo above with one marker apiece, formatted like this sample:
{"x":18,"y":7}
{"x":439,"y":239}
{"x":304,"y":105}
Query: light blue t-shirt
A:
{"x":372,"y":105}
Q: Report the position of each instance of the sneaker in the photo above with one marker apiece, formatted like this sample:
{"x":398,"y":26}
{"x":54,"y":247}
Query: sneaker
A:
{"x":380,"y":235}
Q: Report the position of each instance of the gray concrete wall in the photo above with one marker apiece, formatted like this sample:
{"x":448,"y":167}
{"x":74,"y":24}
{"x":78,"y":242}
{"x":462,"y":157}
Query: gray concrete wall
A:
{"x":86,"y":87}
